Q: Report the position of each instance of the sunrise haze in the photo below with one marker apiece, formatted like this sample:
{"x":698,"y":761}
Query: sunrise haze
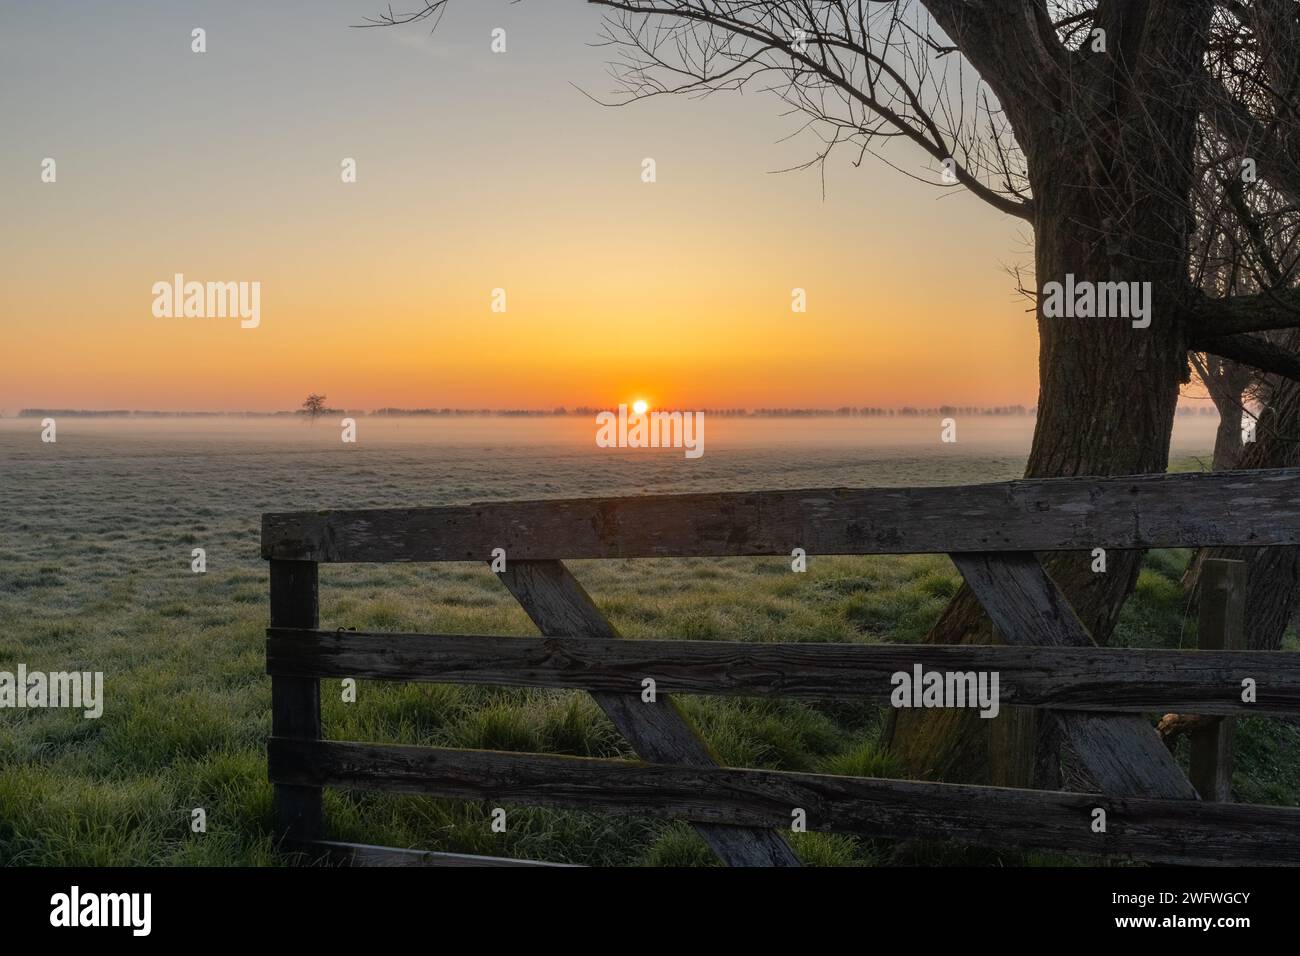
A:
{"x":475,"y":171}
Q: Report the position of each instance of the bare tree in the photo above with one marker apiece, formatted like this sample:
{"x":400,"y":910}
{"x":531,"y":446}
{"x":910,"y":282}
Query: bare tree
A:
{"x":1248,"y":242}
{"x":1245,"y":242}
{"x":314,"y":407}
{"x":1095,"y":121}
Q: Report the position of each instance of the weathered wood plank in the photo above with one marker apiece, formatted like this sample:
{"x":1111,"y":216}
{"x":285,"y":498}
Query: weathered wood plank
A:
{"x":295,"y":701}
{"x":1144,"y":511}
{"x":1171,"y":831}
{"x":1123,"y":755}
{"x":1222,"y":625}
{"x":1063,"y":678}
{"x":658,"y":731}
{"x":363,"y":854}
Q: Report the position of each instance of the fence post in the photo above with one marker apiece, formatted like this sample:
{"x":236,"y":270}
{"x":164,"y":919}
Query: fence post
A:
{"x":1222,"y":628}
{"x":295,"y":701}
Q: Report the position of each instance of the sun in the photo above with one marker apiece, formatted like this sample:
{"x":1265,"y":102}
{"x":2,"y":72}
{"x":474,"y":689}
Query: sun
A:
{"x":640,"y":406}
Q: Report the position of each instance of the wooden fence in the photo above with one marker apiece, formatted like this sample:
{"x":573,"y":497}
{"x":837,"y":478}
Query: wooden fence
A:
{"x":1047,"y":660}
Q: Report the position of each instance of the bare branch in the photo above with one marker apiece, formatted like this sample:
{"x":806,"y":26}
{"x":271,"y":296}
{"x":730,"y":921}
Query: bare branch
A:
{"x":1253,"y":351}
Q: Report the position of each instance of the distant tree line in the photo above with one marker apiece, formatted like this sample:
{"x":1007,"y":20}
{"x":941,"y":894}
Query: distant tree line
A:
{"x":584,"y":411}
{"x":840,"y":412}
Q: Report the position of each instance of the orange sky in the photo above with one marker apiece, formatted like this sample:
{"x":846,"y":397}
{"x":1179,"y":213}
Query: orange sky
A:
{"x":475,"y":171}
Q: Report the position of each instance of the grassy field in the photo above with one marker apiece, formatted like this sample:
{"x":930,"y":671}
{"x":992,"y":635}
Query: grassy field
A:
{"x":94,"y":575}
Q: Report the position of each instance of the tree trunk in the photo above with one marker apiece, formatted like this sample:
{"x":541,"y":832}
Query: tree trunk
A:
{"x":1227,"y":437}
{"x":1107,"y":396}
{"x":1273,"y":574}
{"x":1226,"y":381}
{"x":1111,"y":181}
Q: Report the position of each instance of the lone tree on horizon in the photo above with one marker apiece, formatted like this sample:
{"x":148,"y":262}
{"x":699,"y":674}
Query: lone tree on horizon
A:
{"x":1099,"y":123}
{"x":314,"y":406}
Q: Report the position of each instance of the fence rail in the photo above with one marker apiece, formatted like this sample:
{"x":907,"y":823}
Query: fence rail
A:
{"x":1055,"y":514}
{"x":1169,"y":831}
{"x":1061,"y":678}
{"x":1047,"y":661}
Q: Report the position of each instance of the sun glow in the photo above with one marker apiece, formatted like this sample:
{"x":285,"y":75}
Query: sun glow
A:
{"x":640,"y":406}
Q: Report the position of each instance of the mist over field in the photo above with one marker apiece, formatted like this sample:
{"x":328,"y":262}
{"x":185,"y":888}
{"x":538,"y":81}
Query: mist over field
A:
{"x":96,"y":539}
{"x":858,"y":450}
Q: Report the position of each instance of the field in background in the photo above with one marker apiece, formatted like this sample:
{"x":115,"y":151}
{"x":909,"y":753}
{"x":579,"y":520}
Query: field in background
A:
{"x":95,"y":539}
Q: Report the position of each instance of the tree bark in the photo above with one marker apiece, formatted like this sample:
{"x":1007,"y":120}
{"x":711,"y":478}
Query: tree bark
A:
{"x":1107,"y":396}
{"x":1226,"y":381}
{"x":1273,"y":574}
{"x":1111,"y":181}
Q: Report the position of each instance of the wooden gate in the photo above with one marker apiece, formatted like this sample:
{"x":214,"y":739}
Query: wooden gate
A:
{"x":992,"y":533}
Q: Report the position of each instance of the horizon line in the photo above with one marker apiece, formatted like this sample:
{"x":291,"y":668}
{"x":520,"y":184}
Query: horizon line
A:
{"x":842,"y":411}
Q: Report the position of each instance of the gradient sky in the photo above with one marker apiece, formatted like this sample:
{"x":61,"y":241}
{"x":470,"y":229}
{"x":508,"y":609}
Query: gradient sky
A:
{"x":475,"y":171}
